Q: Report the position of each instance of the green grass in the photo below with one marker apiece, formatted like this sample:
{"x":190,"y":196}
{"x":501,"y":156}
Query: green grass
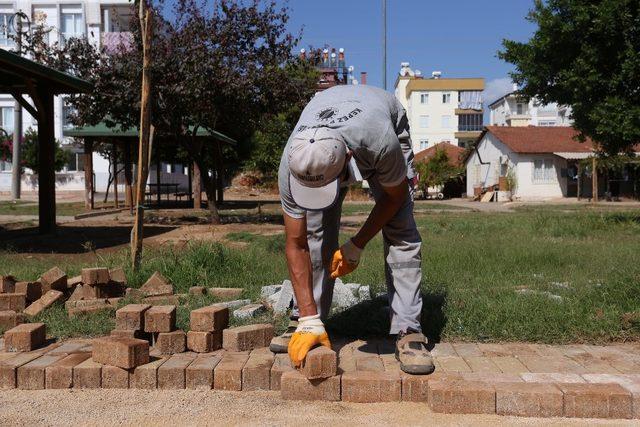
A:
{"x":31,"y":208}
{"x":473,"y":265}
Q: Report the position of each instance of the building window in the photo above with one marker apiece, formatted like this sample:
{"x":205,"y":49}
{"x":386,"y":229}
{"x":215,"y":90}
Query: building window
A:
{"x":424,"y":144}
{"x":446,"y":98}
{"x":543,"y":171}
{"x":470,"y":122}
{"x":521,"y":108}
{"x":446,"y":122}
{"x":6,"y":29}
{"x":424,"y":98}
{"x":67,"y":113}
{"x":72,"y":24}
{"x":546,"y":123}
{"x":424,"y":121}
{"x":6,"y":119}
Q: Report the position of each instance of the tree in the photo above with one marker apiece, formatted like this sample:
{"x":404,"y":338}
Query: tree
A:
{"x":437,"y":171}
{"x":29,"y":152}
{"x":585,"y":54}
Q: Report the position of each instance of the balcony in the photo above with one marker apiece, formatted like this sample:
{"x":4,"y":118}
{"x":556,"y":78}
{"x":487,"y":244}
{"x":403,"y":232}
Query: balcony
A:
{"x":114,"y":41}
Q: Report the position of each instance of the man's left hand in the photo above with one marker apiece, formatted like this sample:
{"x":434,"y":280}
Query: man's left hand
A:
{"x":345,"y":259}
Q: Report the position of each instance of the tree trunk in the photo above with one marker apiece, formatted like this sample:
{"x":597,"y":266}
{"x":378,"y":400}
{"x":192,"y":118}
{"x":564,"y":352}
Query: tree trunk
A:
{"x":210,"y":189}
{"x":196,"y":180}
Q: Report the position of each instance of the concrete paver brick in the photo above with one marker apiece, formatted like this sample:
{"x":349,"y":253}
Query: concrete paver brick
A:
{"x":369,"y":386}
{"x":121,"y":333}
{"x":160,"y":318}
{"x":162,"y":300}
{"x":171,"y":342}
{"x":545,"y":364}
{"x":481,"y":364}
{"x":594,"y":365}
{"x":114,"y":377}
{"x":256,"y":373}
{"x":467,"y":349}
{"x":523,"y":349}
{"x":199,"y":374}
{"x":117,"y":275}
{"x":369,"y":364}
{"x":44,"y":302}
{"x":32,"y":290}
{"x":225,"y":293}
{"x":31,"y":376}
{"x":157,"y":285}
{"x":228,"y":373}
{"x":294,"y":386}
{"x":453,"y":364}
{"x":281,"y":364}
{"x":243,"y":338}
{"x":551,"y":377}
{"x":509,"y":364}
{"x":197,"y":290}
{"x":210,"y":318}
{"x":415,"y":387}
{"x":200,"y":342}
{"x":7,"y":284}
{"x":54,"y":278}
{"x":25,"y":337}
{"x":87,"y":374}
{"x":13,"y":301}
{"x":125,"y":353}
{"x":95,"y":276}
{"x":494,"y":350}
{"x":528,"y":399}
{"x":631,"y":383}
{"x":491,"y":377}
{"x":9,"y":368}
{"x":60,"y":374}
{"x":10,"y":319}
{"x":146,"y":376}
{"x":80,"y":311}
{"x":172,"y":373}
{"x":462,"y":397}
{"x":596,"y":401}
{"x":131,"y":317}
{"x":321,"y":362}
{"x":443,"y":349}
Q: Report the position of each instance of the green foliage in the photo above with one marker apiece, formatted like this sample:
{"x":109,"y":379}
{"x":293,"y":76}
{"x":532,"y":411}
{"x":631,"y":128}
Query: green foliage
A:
{"x":29,"y":152}
{"x":512,"y":179}
{"x":436,"y":171}
{"x":585,"y":54}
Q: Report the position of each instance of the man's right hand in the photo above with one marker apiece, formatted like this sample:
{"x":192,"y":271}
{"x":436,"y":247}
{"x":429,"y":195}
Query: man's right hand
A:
{"x":309,"y":334}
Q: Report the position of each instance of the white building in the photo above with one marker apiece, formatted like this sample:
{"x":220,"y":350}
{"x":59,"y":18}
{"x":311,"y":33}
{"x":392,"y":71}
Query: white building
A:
{"x":440,"y":109}
{"x":513,"y":110}
{"x":104,"y":23}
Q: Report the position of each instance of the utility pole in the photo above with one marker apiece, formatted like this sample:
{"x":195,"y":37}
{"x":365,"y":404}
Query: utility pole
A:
{"x":17,"y":122}
{"x":384,"y":44}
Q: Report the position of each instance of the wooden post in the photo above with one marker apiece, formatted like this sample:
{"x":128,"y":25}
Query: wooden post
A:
{"x":197,"y":187}
{"x":594,"y":180}
{"x":128,"y":192}
{"x":88,"y":173}
{"x":46,"y":163}
{"x":115,"y":176}
{"x":146,"y":17}
{"x":579,"y":179}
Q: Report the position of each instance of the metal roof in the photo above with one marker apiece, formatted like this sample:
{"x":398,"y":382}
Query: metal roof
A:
{"x":16,"y":71}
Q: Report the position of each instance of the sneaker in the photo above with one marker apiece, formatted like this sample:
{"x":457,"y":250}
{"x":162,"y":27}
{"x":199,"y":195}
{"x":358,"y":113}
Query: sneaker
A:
{"x":412,"y":353}
{"x":280,"y":344}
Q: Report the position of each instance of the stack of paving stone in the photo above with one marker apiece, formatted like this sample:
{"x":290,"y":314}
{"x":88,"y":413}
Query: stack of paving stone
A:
{"x":96,"y":289}
{"x":206,"y":326}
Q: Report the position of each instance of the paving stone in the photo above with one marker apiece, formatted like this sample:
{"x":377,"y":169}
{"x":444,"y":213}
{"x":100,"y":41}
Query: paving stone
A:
{"x":197,"y":290}
{"x":467,"y":349}
{"x":146,"y":376}
{"x":453,"y":364}
{"x":248,"y":337}
{"x":162,"y":300}
{"x":249,"y":311}
{"x":596,"y":401}
{"x":73,"y":282}
{"x":90,"y":292}
{"x":546,"y":364}
{"x":9,"y":367}
{"x":594,"y":365}
{"x":462,"y":397}
{"x":294,"y":386}
{"x":256,"y":373}
{"x":157,"y":285}
{"x":281,"y":364}
{"x":415,"y":387}
{"x":10,"y":319}
{"x":171,"y":374}
{"x":87,"y":374}
{"x":369,"y":364}
{"x":60,"y":374}
{"x":228,"y":373}
{"x":160,"y":318}
{"x":53,"y":279}
{"x":114,"y":377}
{"x":443,"y":349}
{"x":322,"y":362}
{"x":631,"y":383}
{"x":69,"y":347}
{"x":117,"y":275}
{"x":522,"y":349}
{"x":125,"y":353}
{"x":509,"y":364}
{"x":528,"y":399}
{"x":25,"y":337}
{"x":200,"y":342}
{"x":199,"y":374}
{"x":491,"y":377}
{"x":131,"y":317}
{"x":209,"y":319}
{"x":367,"y":387}
{"x":32,"y":290}
{"x":225,"y":293}
{"x":551,"y":377}
{"x":7,"y":284}
{"x":481,"y":364}
{"x":44,"y":302}
{"x":233,"y":304}
{"x":95,"y":276}
{"x":13,"y":301}
{"x":82,"y":311}
{"x":391,"y":364}
{"x":31,"y":376}
{"x":493,"y":350}
{"x":171,"y":342}
{"x":122,"y":333}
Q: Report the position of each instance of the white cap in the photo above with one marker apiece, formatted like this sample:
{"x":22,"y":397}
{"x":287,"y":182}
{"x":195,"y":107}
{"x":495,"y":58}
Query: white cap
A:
{"x":317,"y":157}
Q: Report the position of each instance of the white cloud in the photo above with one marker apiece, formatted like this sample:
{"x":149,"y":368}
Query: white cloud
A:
{"x":496,"y":88}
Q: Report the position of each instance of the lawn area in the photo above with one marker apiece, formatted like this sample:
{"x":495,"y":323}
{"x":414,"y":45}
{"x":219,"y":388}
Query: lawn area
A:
{"x":544,"y":275}
{"x":31,"y":208}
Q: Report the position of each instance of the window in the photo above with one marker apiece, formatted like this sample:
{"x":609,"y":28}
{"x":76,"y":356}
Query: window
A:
{"x":424,"y":98}
{"x":424,"y":121}
{"x":470,"y":122}
{"x":446,"y":122}
{"x":546,"y":123}
{"x":521,"y":108}
{"x":6,"y":119}
{"x":424,"y":144}
{"x":71,"y":23}
{"x":67,"y":113}
{"x":446,"y":98}
{"x":543,"y":171}
{"x":6,"y":29}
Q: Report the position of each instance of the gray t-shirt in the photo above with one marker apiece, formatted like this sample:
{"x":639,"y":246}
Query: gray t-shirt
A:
{"x":373,"y":124}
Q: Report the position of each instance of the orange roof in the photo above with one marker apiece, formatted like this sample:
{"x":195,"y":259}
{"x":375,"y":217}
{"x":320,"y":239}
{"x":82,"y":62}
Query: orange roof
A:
{"x":540,"y":139}
{"x":453,"y":152}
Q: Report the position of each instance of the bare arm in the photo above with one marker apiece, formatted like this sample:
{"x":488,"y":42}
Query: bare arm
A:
{"x":385,"y":208}
{"x":299,"y":264}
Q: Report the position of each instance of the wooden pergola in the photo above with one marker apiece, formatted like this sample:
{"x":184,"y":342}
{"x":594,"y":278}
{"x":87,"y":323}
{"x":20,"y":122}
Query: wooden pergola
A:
{"x":19,"y":77}
{"x":126,"y":140}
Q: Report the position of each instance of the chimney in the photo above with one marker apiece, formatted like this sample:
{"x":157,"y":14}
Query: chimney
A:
{"x":341,"y":54}
{"x":325,"y":57}
{"x":303,"y":54}
{"x":363,"y":78}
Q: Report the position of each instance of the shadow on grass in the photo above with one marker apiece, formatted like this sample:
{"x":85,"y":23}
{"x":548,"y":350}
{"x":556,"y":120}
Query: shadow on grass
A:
{"x":371,"y":319}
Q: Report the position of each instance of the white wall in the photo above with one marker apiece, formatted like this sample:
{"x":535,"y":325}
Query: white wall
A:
{"x":529,"y":189}
{"x":536,"y":115}
{"x":491,"y":151}
{"x":435,"y":109}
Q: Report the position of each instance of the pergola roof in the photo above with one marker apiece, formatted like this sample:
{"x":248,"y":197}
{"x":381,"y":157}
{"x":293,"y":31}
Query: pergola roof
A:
{"x":16,"y":71}
{"x":101,"y":130}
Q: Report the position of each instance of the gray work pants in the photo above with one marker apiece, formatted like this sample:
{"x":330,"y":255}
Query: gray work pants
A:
{"x":402,"y":258}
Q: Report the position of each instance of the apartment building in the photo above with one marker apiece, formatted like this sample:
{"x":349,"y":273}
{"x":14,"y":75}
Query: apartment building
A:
{"x":103,"y":23}
{"x":513,"y":110}
{"x":440,"y":109}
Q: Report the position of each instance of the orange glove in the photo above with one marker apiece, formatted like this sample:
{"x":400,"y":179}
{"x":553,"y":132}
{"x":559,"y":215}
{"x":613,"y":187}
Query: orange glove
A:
{"x":345,"y":260}
{"x":309,"y":334}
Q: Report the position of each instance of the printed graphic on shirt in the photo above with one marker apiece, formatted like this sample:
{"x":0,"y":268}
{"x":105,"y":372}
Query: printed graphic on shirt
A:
{"x":331,"y":115}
